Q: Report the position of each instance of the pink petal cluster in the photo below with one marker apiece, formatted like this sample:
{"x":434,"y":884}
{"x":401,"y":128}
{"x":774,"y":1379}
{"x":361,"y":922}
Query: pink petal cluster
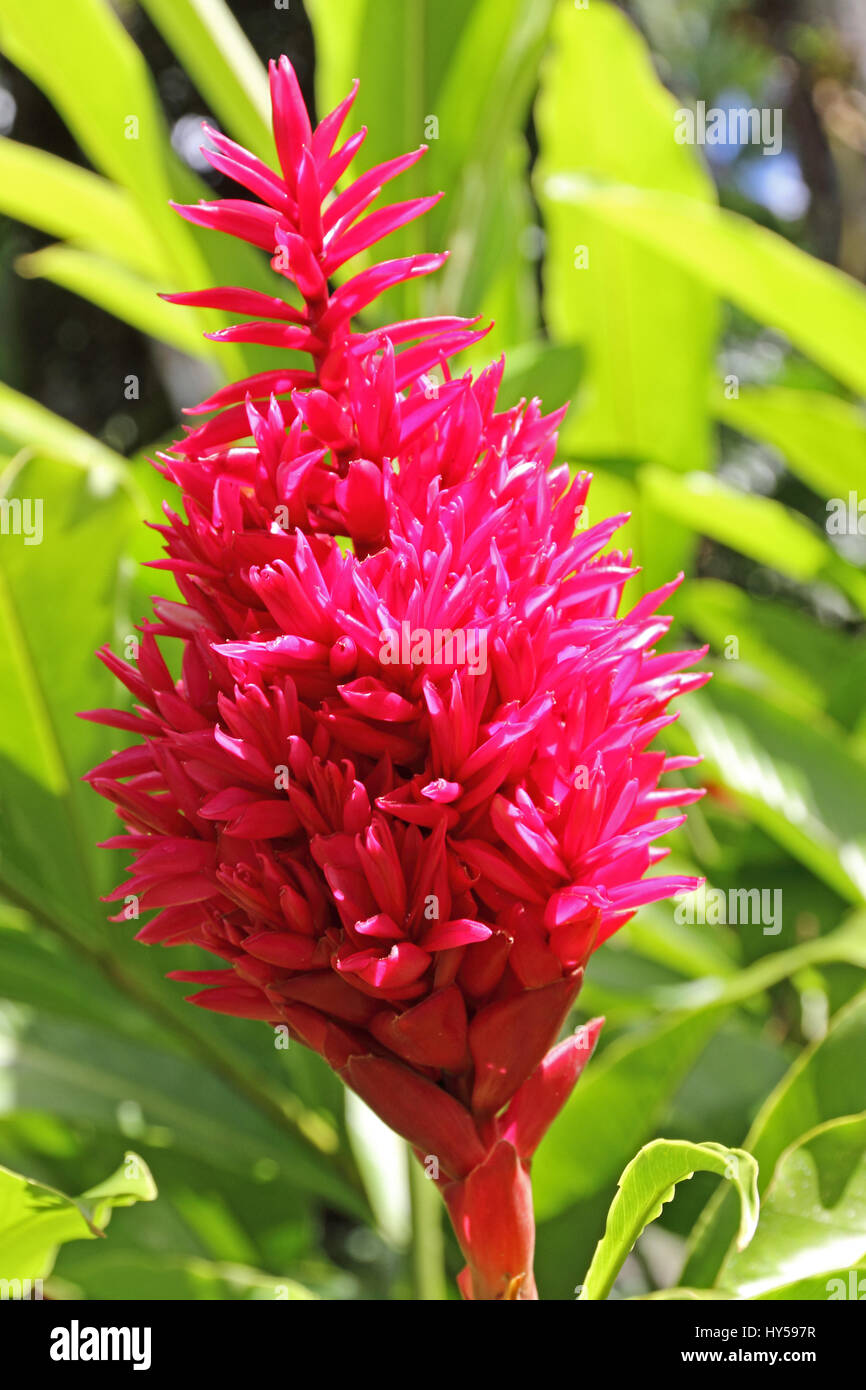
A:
{"x":404,"y":786}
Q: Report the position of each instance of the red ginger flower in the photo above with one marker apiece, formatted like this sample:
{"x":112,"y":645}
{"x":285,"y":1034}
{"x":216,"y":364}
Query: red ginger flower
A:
{"x":403,"y":788}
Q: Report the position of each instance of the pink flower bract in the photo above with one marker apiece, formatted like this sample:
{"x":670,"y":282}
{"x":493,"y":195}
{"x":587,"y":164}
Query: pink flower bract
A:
{"x":404,"y":786}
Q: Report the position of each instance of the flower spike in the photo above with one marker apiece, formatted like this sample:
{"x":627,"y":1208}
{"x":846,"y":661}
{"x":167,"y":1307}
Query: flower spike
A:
{"x":403,"y":787}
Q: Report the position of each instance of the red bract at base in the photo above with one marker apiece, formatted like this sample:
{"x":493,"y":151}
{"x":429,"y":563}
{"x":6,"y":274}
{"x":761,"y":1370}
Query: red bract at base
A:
{"x":403,"y":788}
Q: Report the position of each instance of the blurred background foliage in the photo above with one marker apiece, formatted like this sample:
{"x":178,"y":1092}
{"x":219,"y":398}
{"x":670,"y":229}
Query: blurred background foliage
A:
{"x":704,"y":312}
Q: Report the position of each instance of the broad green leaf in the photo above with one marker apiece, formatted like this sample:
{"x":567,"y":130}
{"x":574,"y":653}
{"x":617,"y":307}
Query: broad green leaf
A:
{"x":67,"y":201}
{"x":119,"y":987}
{"x":86,"y":1074}
{"x":822,"y":310}
{"x":486,"y":80}
{"x":657,"y":937}
{"x":613,"y":494}
{"x":802,"y":659}
{"x":122,"y":294}
{"x":822,"y":438}
{"x":825,"y":1083}
{"x":759,"y":527}
{"x":829,"y":1286}
{"x":734,"y":1075}
{"x":648,"y":1182}
{"x":813,"y":1213}
{"x":36,"y":1219}
{"x":39,"y":970}
{"x":222,"y":62}
{"x":647,"y":332}
{"x":115,"y":117}
{"x":546,"y":370}
{"x":132,"y":1276}
{"x":337,"y":48}
{"x":802,"y":783}
{"x":625,"y":981}
{"x":50,"y":820}
{"x":396,"y":51}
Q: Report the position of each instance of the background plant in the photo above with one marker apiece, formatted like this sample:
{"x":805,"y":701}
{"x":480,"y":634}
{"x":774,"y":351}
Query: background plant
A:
{"x":550,"y":131}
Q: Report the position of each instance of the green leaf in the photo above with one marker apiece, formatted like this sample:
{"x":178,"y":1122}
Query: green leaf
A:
{"x":829,"y":1286}
{"x":802,"y":660}
{"x":481,"y":160}
{"x":802,"y":782}
{"x":67,"y":201}
{"x":822,"y":438}
{"x":222,"y":63}
{"x":337,"y":48}
{"x":657,"y":936}
{"x":546,"y":370}
{"x":758,"y":527}
{"x":36,"y":1219}
{"x":822,"y":310}
{"x":85,"y":1074}
{"x":50,"y":820}
{"x":51,"y":823}
{"x":395,"y":49}
{"x":648,"y":1182}
{"x":813,"y":1213}
{"x":115,"y":116}
{"x":647,"y":332}
{"x":493,"y":274}
{"x":39,"y":970}
{"x":825,"y":1083}
{"x":140,"y":1275}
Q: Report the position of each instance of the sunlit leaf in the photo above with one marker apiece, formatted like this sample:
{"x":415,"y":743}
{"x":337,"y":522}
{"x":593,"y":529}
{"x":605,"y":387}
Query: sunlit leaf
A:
{"x":813,"y":1213}
{"x":647,"y":331}
{"x":648,"y":1182}
{"x":35,"y":1219}
{"x":822,"y":310}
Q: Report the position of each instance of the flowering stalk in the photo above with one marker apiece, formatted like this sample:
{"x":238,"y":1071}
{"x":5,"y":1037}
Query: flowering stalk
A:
{"x":403,"y":786}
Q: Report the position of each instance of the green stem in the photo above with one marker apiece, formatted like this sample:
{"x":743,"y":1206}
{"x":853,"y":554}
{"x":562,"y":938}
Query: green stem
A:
{"x":428,"y":1244}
